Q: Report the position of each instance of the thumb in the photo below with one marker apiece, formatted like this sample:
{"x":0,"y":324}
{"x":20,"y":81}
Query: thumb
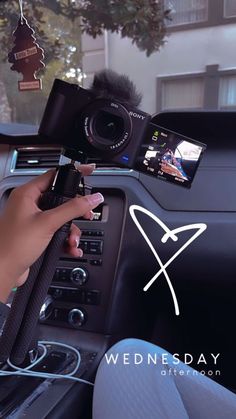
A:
{"x":74,"y":208}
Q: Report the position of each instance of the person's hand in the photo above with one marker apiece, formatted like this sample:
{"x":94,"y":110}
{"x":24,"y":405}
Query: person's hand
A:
{"x":25,"y":230}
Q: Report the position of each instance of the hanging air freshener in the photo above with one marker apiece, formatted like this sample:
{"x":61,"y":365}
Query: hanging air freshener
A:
{"x":26,"y":55}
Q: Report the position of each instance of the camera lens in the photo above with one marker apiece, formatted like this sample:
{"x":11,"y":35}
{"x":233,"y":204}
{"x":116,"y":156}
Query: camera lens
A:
{"x":107,"y":125}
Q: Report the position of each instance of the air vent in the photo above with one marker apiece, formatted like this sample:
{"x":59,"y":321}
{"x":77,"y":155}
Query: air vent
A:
{"x":32,"y":158}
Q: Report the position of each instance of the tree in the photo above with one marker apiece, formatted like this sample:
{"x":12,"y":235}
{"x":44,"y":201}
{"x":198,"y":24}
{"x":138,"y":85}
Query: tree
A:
{"x":143,"y":21}
{"x":58,"y":26}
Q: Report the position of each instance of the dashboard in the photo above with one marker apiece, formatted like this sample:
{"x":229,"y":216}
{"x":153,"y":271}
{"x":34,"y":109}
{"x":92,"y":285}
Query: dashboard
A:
{"x":95,"y":301}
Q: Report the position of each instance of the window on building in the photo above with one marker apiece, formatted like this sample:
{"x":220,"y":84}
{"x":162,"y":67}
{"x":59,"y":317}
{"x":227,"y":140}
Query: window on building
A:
{"x":229,"y":8}
{"x":191,"y":14}
{"x":187,"y":11}
{"x":182,"y":94}
{"x":227,"y":92}
{"x":212,"y":90}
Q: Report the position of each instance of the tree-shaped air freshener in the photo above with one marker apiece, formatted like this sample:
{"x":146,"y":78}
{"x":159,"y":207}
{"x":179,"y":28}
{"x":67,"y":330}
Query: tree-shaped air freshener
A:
{"x":26,"y":55}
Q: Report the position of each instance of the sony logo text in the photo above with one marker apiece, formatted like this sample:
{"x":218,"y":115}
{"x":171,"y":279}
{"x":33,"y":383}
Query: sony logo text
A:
{"x":136,"y":115}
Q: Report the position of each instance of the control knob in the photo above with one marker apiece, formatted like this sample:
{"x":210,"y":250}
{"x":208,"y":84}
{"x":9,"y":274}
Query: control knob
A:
{"x":46,"y":309}
{"x":76,"y":317}
{"x":79,"y":276}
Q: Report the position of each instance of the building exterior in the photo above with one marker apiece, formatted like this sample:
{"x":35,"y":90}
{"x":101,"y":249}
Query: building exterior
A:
{"x":196,"y":69}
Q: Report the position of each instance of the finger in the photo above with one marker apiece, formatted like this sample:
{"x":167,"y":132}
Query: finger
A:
{"x":43,"y":182}
{"x":74,"y":208}
{"x":73,"y":250}
{"x":86,"y":169}
{"x":76,"y":253}
{"x":74,"y":237}
{"x":39,"y":184}
{"x":89,"y":215}
{"x":72,"y":243}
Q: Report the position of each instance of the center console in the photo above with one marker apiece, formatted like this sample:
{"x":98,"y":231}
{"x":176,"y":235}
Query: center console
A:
{"x":79,"y":295}
{"x":80,"y":292}
{"x":75,"y":310}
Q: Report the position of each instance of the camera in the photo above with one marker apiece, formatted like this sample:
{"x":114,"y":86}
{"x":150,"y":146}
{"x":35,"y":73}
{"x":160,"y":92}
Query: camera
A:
{"x":104,"y":122}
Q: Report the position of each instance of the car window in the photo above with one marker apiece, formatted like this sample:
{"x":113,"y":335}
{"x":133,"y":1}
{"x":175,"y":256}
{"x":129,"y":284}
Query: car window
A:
{"x":193,"y":69}
{"x":60,"y":37}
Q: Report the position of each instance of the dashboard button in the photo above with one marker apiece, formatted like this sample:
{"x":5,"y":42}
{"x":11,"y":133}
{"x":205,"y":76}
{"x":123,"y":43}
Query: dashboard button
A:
{"x":93,"y":233}
{"x":76,"y":317}
{"x":76,"y":296}
{"x":92,"y":297}
{"x":84,"y":245}
{"x":56,"y":274}
{"x":56,"y":292}
{"x":96,"y":262}
{"x":95,"y":247}
{"x":64,"y":274}
{"x":99,"y":233}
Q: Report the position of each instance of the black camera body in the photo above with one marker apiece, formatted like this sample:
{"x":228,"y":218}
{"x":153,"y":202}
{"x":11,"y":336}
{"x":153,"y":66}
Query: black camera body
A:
{"x":97,"y":126}
{"x":104,"y":121}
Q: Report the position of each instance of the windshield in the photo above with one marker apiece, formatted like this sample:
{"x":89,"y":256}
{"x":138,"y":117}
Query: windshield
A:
{"x":178,"y":53}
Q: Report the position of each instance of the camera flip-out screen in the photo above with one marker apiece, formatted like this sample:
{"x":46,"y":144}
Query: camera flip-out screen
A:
{"x":169,"y":156}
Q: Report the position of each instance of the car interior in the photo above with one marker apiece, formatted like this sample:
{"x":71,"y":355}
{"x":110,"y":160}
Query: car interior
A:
{"x":98,"y":300}
{"x":158,"y":259}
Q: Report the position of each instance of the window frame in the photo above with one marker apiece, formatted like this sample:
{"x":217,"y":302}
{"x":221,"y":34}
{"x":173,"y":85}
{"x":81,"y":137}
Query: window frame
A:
{"x":160,"y":82}
{"x":216,"y":9}
{"x":227,"y":17}
{"x":226,"y":73}
{"x":211,"y":80}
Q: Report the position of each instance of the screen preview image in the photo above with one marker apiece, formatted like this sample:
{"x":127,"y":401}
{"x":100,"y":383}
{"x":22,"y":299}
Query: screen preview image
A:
{"x":170,"y":156}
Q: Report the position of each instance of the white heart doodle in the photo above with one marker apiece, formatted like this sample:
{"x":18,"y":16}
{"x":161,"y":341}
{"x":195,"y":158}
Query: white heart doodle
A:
{"x":172,"y":234}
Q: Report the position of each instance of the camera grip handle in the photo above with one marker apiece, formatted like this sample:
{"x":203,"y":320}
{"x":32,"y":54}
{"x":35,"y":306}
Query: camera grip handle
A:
{"x":65,"y":186}
{"x":23,"y":315}
{"x":17,"y":311}
{"x":37,"y":297}
{"x":23,"y":294}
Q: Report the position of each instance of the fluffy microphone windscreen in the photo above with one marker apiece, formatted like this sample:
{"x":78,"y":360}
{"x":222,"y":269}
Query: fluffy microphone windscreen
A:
{"x":107,"y":84}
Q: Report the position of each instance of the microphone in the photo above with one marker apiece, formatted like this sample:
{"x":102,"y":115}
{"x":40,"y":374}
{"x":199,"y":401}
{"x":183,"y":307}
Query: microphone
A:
{"x":107,"y":84}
